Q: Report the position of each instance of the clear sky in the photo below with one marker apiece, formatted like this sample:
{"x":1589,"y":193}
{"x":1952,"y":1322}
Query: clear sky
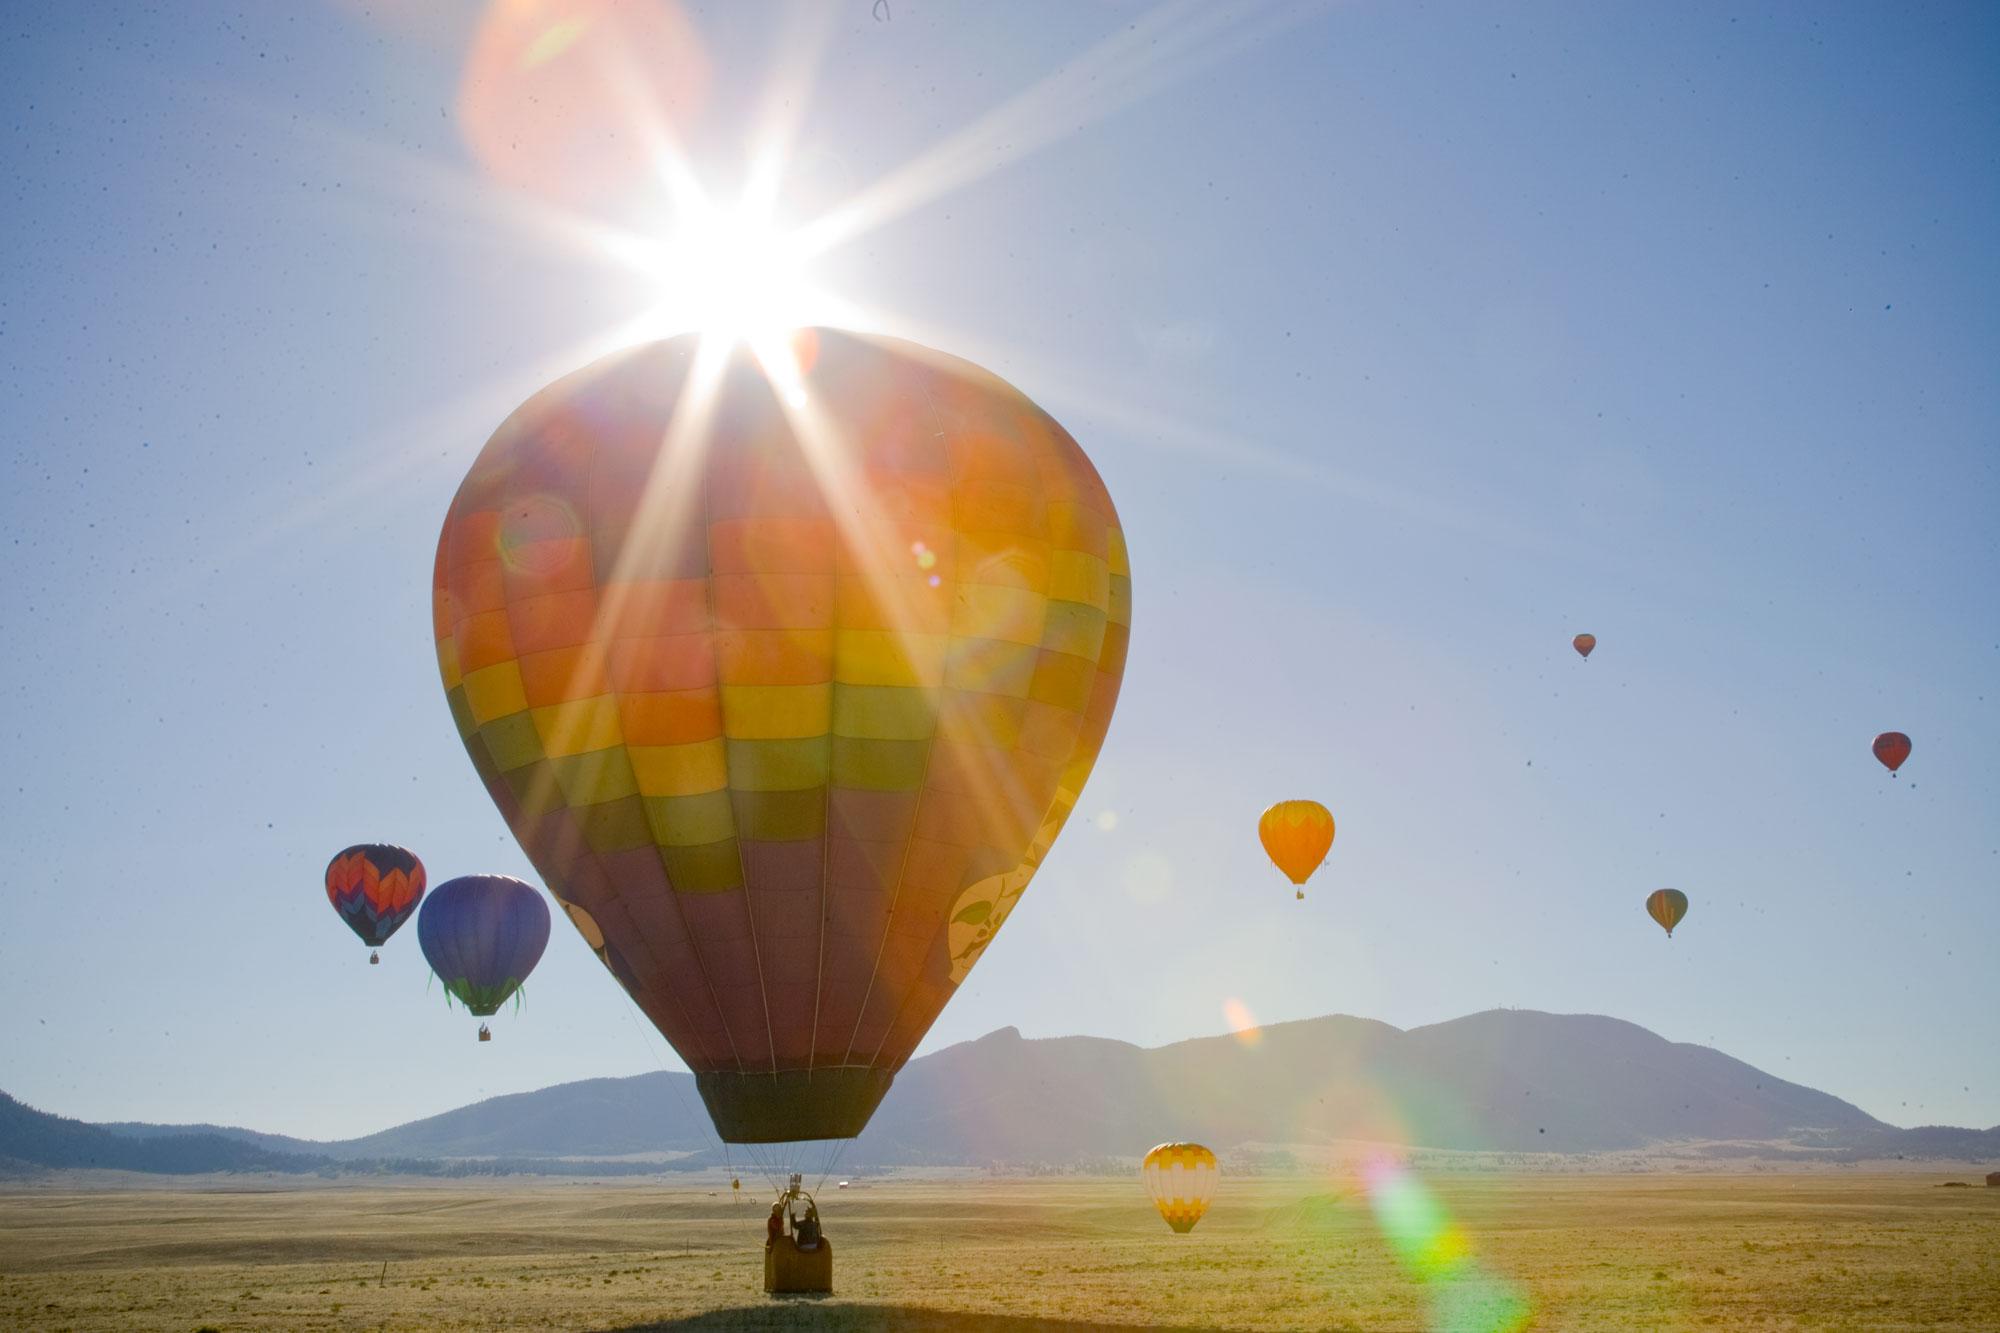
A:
{"x":1410,"y":340}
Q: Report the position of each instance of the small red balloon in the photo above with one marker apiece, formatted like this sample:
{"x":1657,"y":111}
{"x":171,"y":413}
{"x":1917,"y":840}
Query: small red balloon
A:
{"x":1892,"y":748}
{"x":1583,"y":643}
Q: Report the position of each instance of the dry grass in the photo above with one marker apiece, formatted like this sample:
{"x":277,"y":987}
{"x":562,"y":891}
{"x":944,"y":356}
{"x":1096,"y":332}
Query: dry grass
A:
{"x":1627,"y":1252}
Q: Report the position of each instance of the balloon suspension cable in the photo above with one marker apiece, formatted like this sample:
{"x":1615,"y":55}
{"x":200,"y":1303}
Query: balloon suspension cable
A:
{"x":699,"y":1120}
{"x":762,"y":1164}
{"x":778,"y":1162}
{"x":831,"y":1161}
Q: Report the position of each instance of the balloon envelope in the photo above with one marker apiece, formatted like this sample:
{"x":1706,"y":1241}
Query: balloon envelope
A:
{"x":785,"y":697}
{"x":1667,"y":906}
{"x":1583,"y":643}
{"x":1297,"y":836}
{"x":1181,"y":1177}
{"x":374,"y":887}
{"x":483,"y":935}
{"x":1892,"y":748}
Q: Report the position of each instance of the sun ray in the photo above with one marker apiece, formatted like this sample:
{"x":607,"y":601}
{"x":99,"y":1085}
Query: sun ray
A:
{"x":1162,"y":48}
{"x":1182,"y":432}
{"x":431,"y":445}
{"x":419,"y":194}
{"x":787,"y":94}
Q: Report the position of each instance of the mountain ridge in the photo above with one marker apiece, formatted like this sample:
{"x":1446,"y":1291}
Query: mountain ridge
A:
{"x":1498,"y":1081}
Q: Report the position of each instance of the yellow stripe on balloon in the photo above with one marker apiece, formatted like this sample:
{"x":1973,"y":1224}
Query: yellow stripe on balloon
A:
{"x":776,"y":712}
{"x":680,"y":770}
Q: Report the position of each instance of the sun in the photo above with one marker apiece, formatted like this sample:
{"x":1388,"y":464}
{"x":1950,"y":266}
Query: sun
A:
{"x":730,"y":272}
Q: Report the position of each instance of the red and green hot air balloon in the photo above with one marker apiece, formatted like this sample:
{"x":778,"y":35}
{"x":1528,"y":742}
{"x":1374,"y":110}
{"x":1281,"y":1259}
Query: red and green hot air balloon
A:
{"x":1667,"y":906}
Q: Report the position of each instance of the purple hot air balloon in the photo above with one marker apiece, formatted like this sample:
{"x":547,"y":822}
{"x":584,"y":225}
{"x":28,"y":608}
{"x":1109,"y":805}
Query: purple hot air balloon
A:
{"x":483,"y":934}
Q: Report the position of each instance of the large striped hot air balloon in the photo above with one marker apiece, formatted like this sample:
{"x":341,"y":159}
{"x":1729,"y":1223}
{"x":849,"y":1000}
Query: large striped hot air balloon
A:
{"x":1667,"y":906}
{"x":483,"y":935}
{"x":1297,"y":836}
{"x":374,"y":887}
{"x":1181,"y":1177}
{"x":785,"y":692}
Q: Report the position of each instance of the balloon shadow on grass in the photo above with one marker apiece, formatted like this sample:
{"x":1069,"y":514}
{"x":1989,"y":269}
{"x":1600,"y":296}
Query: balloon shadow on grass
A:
{"x":828,"y":1313}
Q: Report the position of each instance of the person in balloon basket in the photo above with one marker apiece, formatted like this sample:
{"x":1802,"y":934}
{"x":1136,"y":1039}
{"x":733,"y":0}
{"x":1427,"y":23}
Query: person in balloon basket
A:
{"x":785,"y":1214}
{"x":805,"y":1230}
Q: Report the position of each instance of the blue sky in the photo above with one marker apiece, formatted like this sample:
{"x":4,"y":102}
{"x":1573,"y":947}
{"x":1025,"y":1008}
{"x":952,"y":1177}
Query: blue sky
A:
{"x":1409,"y":340}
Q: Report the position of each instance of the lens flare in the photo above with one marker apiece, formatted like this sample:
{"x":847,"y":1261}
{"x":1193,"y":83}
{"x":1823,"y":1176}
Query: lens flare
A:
{"x":1242,"y":1023}
{"x":541,"y":535}
{"x":566,"y":99}
{"x":1434,"y":1249}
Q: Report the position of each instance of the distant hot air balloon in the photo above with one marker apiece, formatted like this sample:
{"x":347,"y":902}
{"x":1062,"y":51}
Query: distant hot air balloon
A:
{"x":1892,"y":748}
{"x":786,"y":695}
{"x":1583,"y":643}
{"x":374,"y":888}
{"x":483,"y":935}
{"x":1667,"y":906}
{"x":1181,"y":1177}
{"x":1297,"y":836}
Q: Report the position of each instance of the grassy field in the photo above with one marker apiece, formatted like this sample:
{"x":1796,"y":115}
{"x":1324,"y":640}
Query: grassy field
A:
{"x":1462,"y":1253}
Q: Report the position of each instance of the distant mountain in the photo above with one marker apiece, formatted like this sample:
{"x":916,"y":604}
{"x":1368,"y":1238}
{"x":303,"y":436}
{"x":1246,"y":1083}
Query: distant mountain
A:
{"x":1500,"y":1081}
{"x":31,"y":1138}
{"x":33,"y":1141}
{"x":1505,"y":1080}
{"x":285,"y":1143}
{"x":598,"y":1117}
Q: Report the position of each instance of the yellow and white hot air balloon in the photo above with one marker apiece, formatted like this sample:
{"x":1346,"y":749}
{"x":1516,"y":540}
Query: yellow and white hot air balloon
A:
{"x":1181,"y":1178}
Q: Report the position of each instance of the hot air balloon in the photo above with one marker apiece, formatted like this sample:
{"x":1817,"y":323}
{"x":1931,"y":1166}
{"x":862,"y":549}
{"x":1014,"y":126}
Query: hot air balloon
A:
{"x":374,"y":888}
{"x":785,"y":694}
{"x":1181,"y":1178}
{"x":1297,"y":836}
{"x":1583,"y":643}
{"x":1667,"y":906}
{"x":1892,"y":748}
{"x":483,"y":935}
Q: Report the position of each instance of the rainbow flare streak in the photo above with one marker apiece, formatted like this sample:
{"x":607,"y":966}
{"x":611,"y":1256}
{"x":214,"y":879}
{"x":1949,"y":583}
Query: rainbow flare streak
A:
{"x":1464,"y":1297}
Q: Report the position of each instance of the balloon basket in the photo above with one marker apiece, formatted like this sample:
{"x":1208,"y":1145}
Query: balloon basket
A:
{"x":373,"y":958}
{"x":791,"y":1271}
{"x":485,"y":1033}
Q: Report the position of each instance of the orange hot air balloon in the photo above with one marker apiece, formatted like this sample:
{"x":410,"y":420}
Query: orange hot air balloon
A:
{"x":1667,"y":906}
{"x":1583,"y":643}
{"x":785,"y":696}
{"x":1297,"y":836}
{"x":1892,"y":748}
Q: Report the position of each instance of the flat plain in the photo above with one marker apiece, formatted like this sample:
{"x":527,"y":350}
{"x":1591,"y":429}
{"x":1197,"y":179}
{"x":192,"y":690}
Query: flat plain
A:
{"x":1480,"y":1253}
